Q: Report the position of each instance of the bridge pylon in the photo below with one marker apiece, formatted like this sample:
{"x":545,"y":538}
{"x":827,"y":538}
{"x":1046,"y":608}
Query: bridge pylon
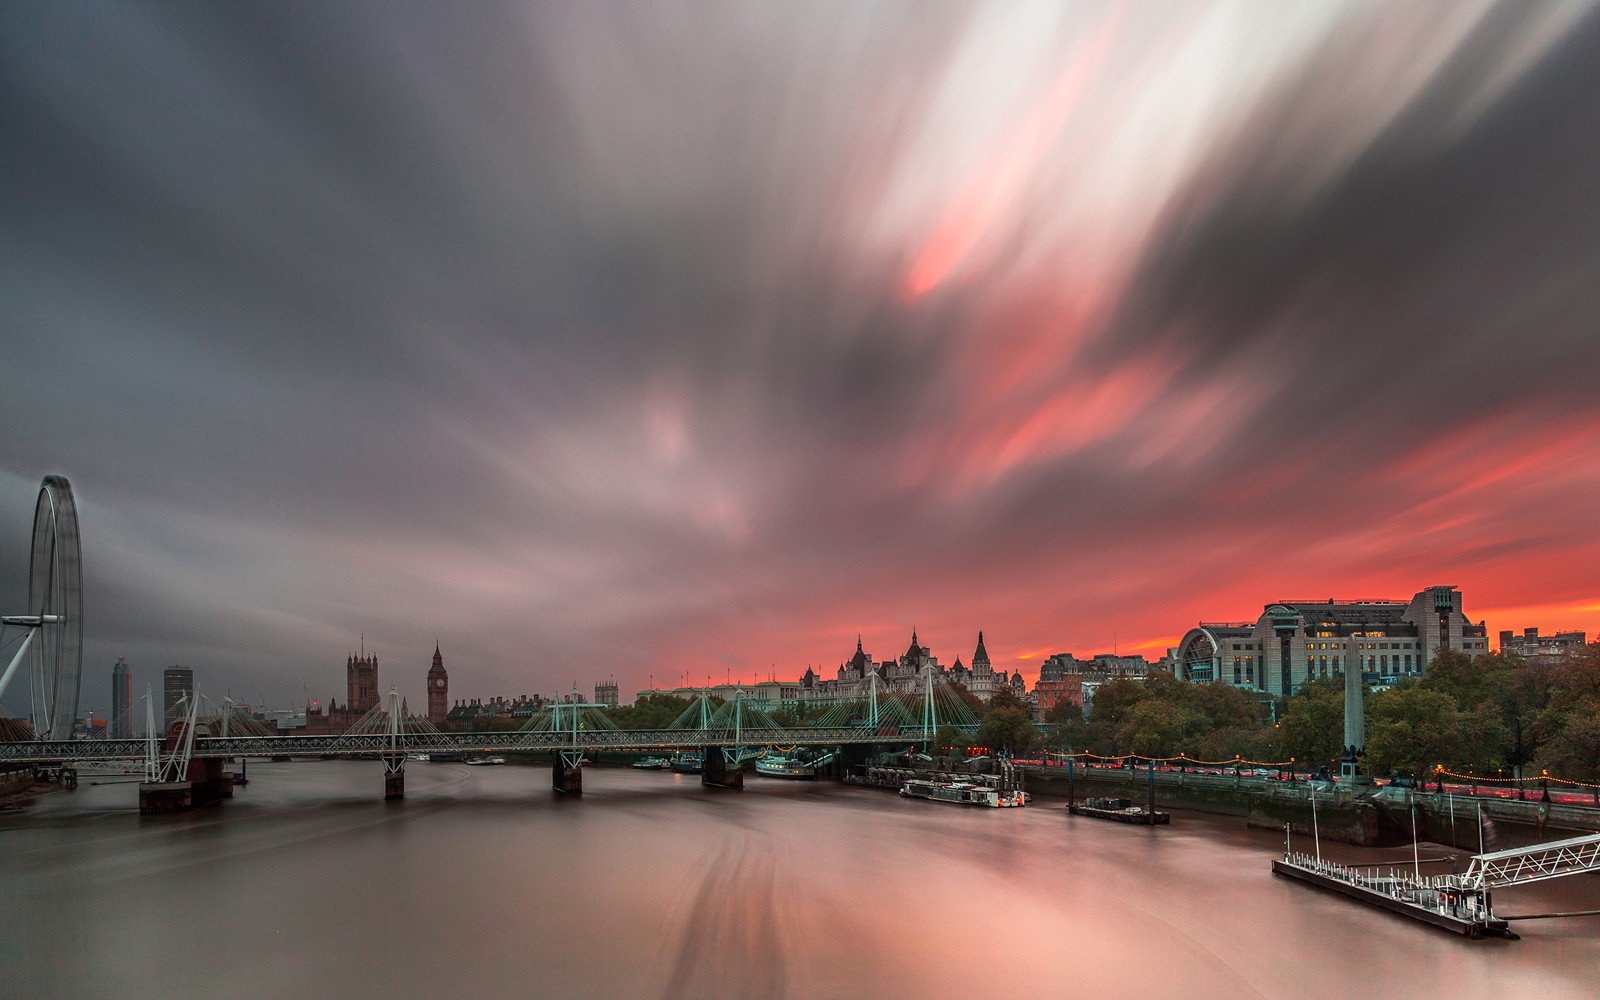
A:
{"x":722,"y":767}
{"x":394,"y":760}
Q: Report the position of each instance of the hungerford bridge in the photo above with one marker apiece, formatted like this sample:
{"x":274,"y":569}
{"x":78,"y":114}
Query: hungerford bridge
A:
{"x":181,"y":765}
{"x":184,"y":763}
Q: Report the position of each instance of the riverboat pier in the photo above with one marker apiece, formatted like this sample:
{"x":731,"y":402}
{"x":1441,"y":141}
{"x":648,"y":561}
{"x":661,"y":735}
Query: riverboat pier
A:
{"x":1462,"y":903}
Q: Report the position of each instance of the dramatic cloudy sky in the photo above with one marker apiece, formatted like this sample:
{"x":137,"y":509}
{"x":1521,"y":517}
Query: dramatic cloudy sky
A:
{"x":654,"y":340}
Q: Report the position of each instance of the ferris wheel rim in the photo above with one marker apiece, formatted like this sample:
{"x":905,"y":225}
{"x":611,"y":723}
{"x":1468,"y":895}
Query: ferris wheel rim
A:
{"x":55,"y":588}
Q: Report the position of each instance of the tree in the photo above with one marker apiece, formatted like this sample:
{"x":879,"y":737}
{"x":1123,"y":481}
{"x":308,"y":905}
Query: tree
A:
{"x":652,"y":712}
{"x":948,"y":737}
{"x":1008,"y":729}
{"x":1312,"y":728}
{"x":1572,"y":749}
{"x":1112,"y":702}
{"x":1004,"y":698}
{"x":1158,"y":728}
{"x":1412,"y":728}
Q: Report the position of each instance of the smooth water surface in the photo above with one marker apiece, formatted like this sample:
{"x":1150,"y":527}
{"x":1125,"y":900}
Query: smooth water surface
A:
{"x":484,"y":883}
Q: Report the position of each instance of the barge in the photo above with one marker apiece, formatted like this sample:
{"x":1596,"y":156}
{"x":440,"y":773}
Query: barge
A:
{"x":964,"y":793}
{"x":686,"y":763}
{"x":1120,"y":811}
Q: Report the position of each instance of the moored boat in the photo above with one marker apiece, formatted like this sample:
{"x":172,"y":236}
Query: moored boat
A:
{"x":651,"y":764}
{"x":779,"y":765}
{"x":963,"y":793}
{"x":1120,"y":810}
{"x":482,"y":761}
{"x":686,"y":763}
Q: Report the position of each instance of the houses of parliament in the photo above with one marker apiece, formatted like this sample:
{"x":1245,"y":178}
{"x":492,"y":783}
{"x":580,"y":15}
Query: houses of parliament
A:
{"x":362,"y":694}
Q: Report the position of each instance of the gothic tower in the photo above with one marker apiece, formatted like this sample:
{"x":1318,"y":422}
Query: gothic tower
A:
{"x":980,"y":659}
{"x":438,"y":689}
{"x":361,"y":682}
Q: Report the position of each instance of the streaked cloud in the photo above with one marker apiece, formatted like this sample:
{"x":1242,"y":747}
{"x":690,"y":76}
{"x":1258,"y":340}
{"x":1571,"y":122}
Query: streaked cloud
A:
{"x":603,"y":339}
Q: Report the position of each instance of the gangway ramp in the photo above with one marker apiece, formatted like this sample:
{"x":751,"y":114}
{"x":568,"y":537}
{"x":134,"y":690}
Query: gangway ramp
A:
{"x":1521,"y":865}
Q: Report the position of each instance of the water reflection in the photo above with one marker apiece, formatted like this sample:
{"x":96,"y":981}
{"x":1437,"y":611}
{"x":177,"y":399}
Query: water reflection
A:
{"x":482,"y":881}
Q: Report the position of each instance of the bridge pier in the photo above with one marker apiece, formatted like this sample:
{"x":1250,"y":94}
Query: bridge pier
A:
{"x":566,"y":772}
{"x":716,"y":772}
{"x":394,"y":776}
{"x":165,"y":797}
{"x":854,"y":757}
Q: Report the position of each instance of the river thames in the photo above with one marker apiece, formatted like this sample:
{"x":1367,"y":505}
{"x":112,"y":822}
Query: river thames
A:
{"x":483,"y":882}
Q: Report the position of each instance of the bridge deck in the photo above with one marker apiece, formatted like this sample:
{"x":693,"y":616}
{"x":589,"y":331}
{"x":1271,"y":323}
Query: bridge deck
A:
{"x":382,"y":743}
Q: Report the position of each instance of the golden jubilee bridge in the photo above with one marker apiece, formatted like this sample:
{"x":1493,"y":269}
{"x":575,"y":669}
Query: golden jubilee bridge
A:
{"x":181,"y":763}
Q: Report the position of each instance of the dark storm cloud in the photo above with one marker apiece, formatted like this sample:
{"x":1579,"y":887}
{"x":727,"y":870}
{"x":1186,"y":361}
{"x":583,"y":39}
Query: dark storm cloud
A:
{"x":1447,"y":271}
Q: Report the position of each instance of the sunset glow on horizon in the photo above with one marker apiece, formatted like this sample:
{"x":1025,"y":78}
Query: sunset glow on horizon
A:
{"x":655,"y":342}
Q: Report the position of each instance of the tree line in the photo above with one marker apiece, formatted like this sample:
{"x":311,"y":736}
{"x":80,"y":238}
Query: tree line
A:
{"x":1487,"y":716}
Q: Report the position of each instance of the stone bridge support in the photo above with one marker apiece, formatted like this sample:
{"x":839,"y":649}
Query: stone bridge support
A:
{"x":717,"y":772}
{"x":164,"y":797}
{"x":394,"y":776}
{"x":566,"y":772}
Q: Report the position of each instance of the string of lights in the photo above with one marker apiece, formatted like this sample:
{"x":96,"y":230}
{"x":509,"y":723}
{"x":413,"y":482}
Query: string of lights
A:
{"x":1179,"y":759}
{"x":1544,"y":776}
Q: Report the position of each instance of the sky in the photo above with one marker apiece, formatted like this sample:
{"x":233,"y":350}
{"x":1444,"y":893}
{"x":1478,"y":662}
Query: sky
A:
{"x":681,"y":341}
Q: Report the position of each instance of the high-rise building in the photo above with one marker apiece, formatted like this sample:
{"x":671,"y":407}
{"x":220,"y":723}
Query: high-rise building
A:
{"x":176,"y":682}
{"x":121,"y":700}
{"x":438,"y":689}
{"x":605,"y":693}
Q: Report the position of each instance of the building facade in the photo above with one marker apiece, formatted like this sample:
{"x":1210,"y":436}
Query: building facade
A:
{"x":438,"y":689}
{"x":858,"y":676}
{"x":1293,"y":642}
{"x":176,"y":683}
{"x":605,"y":693}
{"x":361,"y":683}
{"x":1548,"y":649}
{"x":361,"y":692}
{"x":1075,"y":679}
{"x":121,"y":700}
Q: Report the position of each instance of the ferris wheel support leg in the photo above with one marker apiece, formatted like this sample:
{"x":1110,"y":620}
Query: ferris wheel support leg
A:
{"x":16,"y":661}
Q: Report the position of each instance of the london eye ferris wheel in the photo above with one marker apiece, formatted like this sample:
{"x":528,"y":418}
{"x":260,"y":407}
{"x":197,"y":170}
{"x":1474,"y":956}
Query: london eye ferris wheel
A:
{"x":53,"y":624}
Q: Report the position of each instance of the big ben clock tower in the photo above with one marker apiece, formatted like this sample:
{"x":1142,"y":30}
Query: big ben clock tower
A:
{"x":438,"y":689}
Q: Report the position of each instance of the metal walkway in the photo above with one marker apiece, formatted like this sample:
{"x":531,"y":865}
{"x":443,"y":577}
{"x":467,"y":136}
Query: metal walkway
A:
{"x":1535,"y":864}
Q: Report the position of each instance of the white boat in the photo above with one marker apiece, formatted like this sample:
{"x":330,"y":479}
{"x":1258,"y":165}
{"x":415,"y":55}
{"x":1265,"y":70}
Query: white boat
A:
{"x":651,"y":764}
{"x":963,"y":793}
{"x":481,"y":761}
{"x":777,"y":765}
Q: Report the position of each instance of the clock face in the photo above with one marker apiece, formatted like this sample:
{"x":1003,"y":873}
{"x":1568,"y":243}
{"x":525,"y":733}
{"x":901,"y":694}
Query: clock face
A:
{"x":439,"y":683}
